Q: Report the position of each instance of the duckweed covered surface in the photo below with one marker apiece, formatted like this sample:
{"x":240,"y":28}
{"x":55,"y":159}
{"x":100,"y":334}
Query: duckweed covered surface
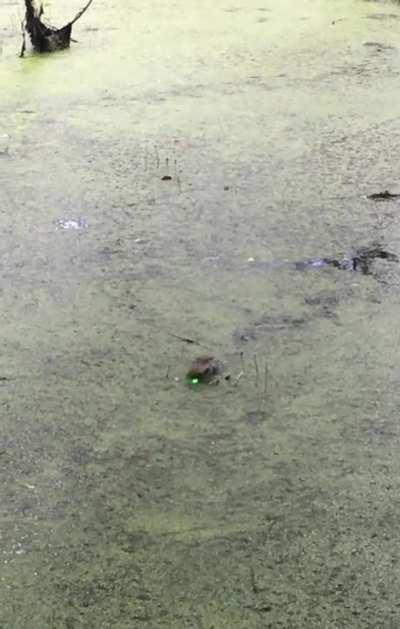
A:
{"x":186,"y":139}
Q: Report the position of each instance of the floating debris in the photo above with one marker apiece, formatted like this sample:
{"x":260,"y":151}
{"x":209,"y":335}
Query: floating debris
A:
{"x":378,"y":46}
{"x":383,"y":196}
{"x":364,"y":257}
{"x":71,"y":223}
{"x":361,"y":261}
{"x":254,"y":418}
{"x":383,"y":16}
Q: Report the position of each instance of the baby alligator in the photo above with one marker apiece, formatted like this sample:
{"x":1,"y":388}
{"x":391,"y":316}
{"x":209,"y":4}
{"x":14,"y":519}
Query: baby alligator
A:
{"x":361,"y":261}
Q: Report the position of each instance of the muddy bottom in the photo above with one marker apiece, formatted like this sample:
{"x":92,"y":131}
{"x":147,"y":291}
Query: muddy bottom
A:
{"x":140,"y":171}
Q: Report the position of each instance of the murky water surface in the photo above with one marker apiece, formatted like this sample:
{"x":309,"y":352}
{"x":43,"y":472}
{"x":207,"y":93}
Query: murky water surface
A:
{"x":139,"y":172}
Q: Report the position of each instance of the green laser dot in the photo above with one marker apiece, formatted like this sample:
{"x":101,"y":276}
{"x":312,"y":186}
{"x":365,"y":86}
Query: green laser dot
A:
{"x":195,"y":381}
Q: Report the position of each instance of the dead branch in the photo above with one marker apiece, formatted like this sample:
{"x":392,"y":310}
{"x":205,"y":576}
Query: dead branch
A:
{"x":81,"y":12}
{"x":46,"y":38}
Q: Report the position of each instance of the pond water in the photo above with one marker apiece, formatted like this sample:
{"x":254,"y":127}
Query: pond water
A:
{"x":140,"y":171}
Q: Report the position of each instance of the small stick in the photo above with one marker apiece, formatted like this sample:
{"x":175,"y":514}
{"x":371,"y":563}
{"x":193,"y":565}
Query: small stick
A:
{"x":242,"y":361}
{"x":23,"y":48}
{"x":81,"y":12}
{"x":237,"y":379}
{"x":185,"y":339}
{"x":253,"y":581}
{"x":257,"y":372}
{"x":266,"y":378}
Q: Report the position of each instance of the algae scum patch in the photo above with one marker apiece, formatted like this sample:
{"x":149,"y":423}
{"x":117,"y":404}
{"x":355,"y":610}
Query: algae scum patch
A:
{"x":140,"y":171}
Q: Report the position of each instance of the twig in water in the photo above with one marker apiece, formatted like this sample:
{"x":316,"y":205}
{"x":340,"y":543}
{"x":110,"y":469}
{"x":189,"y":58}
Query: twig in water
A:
{"x":257,"y":372}
{"x":253,"y":581}
{"x":237,"y":379}
{"x":266,"y":378}
{"x":242,"y":361}
{"x":185,"y":339}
